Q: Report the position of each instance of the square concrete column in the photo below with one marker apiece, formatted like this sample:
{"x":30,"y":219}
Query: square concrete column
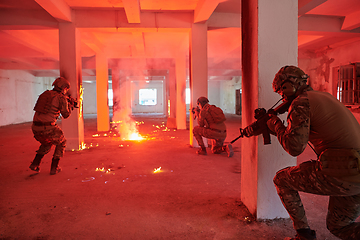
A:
{"x":181,"y":91}
{"x":198,"y":69}
{"x":125,"y":92}
{"x":269,"y":41}
{"x":115,"y":78}
{"x":171,"y":115}
{"x":102,"y":86}
{"x":70,"y":68}
{"x":172,"y":91}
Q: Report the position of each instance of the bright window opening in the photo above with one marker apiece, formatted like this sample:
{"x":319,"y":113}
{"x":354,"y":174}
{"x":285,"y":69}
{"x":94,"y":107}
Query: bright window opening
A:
{"x":147,"y":96}
{"x":187,"y":96}
{"x":110,"y":97}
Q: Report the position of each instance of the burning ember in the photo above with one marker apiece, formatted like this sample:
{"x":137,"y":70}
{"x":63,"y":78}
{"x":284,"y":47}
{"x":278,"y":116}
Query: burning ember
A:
{"x":103,"y":170}
{"x":157,"y":169}
{"x":126,"y":126}
{"x":83,"y":146}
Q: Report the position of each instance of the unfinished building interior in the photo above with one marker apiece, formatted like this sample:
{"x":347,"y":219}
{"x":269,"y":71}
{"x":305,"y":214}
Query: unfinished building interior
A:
{"x":137,"y":68}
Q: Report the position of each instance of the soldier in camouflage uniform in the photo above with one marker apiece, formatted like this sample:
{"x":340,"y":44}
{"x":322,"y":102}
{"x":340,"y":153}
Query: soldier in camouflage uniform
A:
{"x":334,"y":132}
{"x":47,"y":110}
{"x":209,"y":129}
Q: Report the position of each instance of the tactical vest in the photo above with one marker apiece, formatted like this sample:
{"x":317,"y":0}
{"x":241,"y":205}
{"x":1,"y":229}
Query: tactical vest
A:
{"x":43,"y":104}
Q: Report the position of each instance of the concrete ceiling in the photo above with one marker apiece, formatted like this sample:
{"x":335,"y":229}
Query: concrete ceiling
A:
{"x":152,"y":32}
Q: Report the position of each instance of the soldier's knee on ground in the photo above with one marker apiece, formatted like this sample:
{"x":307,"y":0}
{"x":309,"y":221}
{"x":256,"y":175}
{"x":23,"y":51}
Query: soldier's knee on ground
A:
{"x":278,"y":177}
{"x":217,"y":150}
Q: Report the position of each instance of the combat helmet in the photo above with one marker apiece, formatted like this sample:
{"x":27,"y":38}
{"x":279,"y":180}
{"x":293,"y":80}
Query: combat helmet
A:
{"x":289,"y":73}
{"x":60,"y":83}
{"x":202,"y":101}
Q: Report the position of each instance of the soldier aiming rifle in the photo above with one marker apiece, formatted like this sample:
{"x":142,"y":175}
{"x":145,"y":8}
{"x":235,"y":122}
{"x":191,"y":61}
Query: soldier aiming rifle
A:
{"x":318,"y":118}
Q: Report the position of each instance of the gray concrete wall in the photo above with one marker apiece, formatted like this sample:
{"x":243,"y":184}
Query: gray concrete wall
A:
{"x":228,"y":94}
{"x":320,"y":67}
{"x":19,"y":91}
{"x":222,"y":93}
{"x":89,"y":98}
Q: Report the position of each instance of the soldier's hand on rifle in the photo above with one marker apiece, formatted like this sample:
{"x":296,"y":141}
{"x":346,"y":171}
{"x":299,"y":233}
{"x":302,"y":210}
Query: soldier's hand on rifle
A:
{"x":273,"y":123}
{"x":196,"y":112}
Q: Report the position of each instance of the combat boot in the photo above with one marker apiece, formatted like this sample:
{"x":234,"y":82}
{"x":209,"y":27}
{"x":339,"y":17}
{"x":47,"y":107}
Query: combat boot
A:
{"x":35,"y":165}
{"x":201,"y":151}
{"x":229,"y":150}
{"x":55,"y":166}
{"x":304,"y":234}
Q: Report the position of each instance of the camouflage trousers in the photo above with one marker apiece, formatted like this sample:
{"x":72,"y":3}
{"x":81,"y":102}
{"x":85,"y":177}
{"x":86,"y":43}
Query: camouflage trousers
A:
{"x":48,"y":136}
{"x":217,"y":137}
{"x":344,"y":200}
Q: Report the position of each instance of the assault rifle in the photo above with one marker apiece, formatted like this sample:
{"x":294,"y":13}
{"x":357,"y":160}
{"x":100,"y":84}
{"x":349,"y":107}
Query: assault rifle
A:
{"x":194,"y":110}
{"x":73,"y":102}
{"x":260,"y":125}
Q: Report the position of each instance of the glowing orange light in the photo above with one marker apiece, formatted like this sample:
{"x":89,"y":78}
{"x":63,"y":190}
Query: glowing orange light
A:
{"x":126,"y":127}
{"x":82,"y":146}
{"x":103,"y":170}
{"x":81,"y":97}
{"x":135,"y":136}
{"x":157,"y":169}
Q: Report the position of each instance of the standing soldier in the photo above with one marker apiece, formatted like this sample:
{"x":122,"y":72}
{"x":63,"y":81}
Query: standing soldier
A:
{"x":47,"y":110}
{"x":318,"y":118}
{"x":212,"y":126}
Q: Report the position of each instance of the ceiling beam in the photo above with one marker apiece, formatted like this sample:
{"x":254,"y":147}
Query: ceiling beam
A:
{"x":305,"y":6}
{"x":28,"y":39}
{"x":224,"y":20}
{"x":26,"y":19}
{"x":132,"y":10}
{"x":56,"y":8}
{"x":92,"y":41}
{"x":204,"y":9}
{"x":320,"y":23}
{"x":138,"y":41}
{"x":351,"y":21}
{"x":118,"y":19}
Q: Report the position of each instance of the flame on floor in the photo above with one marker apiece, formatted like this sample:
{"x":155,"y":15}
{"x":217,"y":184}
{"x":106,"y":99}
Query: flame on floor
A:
{"x":135,"y":136}
{"x":156,"y":170}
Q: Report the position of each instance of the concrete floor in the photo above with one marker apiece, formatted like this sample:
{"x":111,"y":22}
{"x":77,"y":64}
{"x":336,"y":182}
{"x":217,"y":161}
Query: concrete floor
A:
{"x":192,"y":197}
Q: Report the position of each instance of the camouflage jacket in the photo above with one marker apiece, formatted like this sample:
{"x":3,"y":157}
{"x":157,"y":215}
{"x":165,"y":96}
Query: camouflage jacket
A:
{"x":205,"y":119}
{"x":319,"y":118}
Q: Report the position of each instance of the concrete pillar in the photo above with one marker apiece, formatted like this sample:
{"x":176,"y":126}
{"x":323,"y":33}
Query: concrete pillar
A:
{"x":115,"y":76}
{"x":171,"y":117}
{"x":125,"y":92}
{"x":102,"y":85}
{"x":180,"y":91}
{"x":166,"y":94}
{"x":172,"y":91}
{"x":70,"y":68}
{"x":198,"y":68}
{"x":269,"y":41}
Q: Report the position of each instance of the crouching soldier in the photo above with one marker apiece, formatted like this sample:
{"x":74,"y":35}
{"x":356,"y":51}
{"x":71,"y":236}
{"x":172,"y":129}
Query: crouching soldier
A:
{"x":211,"y":120}
{"x":318,"y":118}
{"x":48,"y":107}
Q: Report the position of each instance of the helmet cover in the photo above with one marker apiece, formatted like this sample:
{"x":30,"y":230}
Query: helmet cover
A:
{"x":202,"y":101}
{"x":288,"y":73}
{"x":60,"y":84}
